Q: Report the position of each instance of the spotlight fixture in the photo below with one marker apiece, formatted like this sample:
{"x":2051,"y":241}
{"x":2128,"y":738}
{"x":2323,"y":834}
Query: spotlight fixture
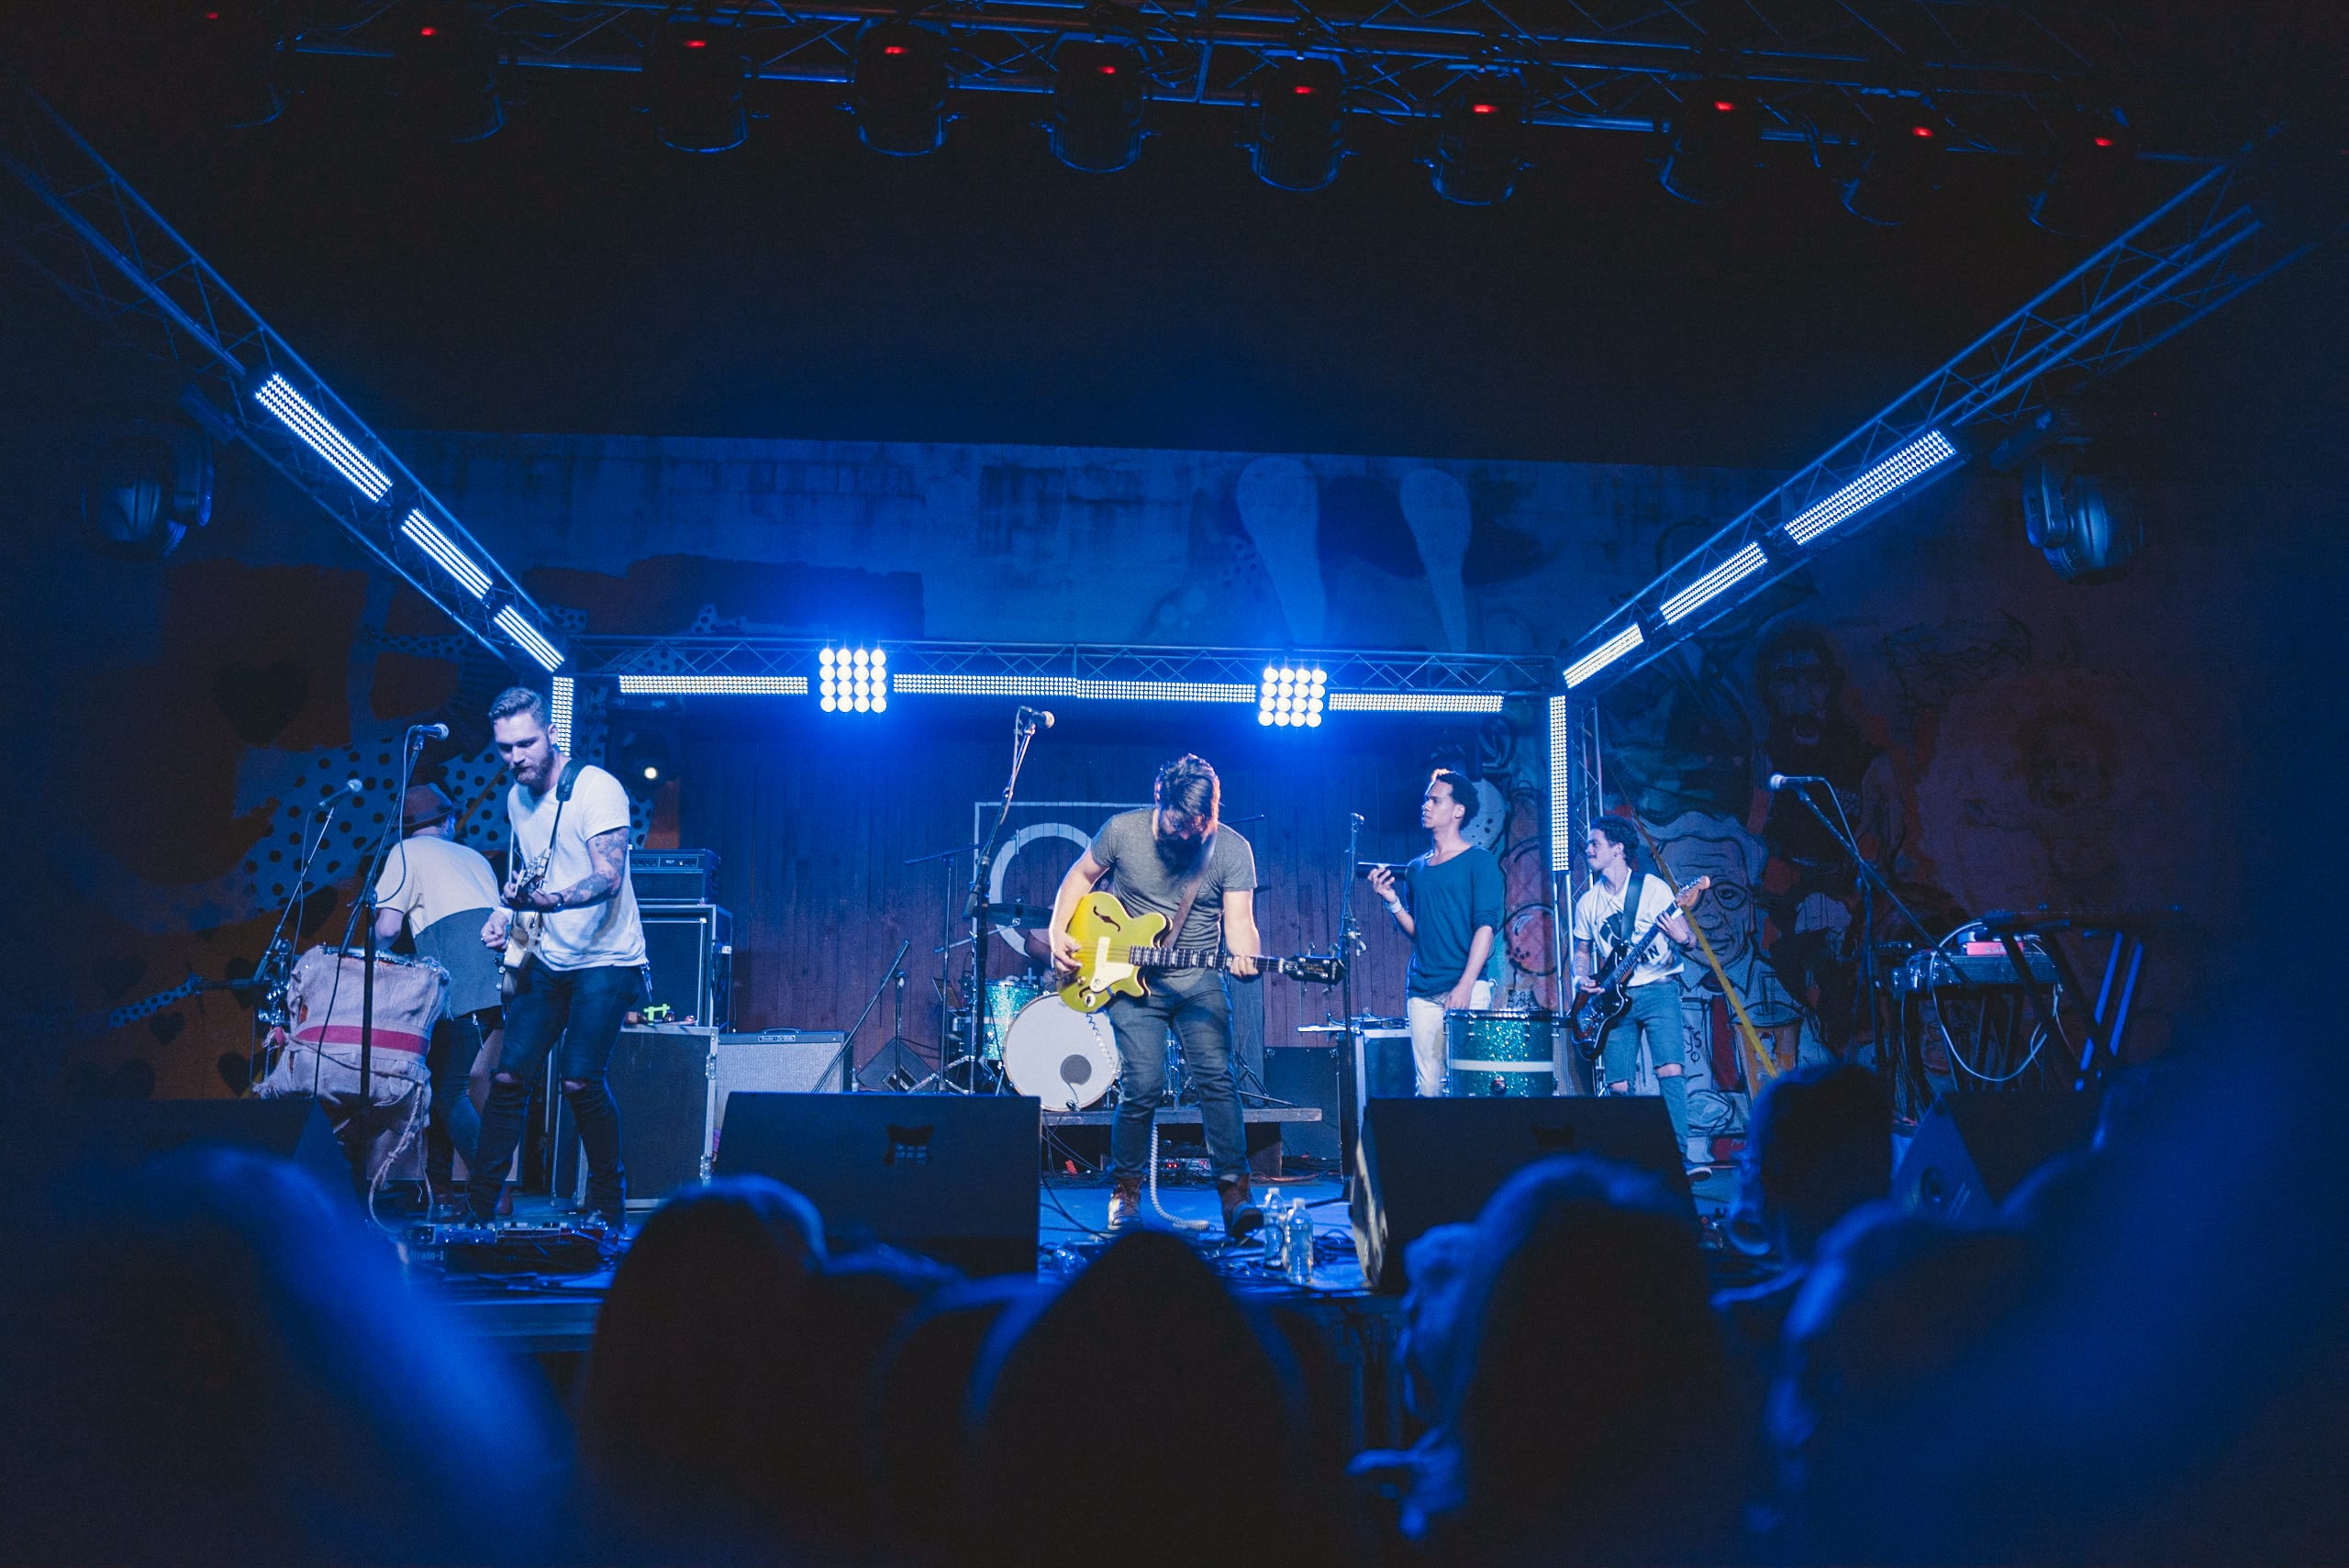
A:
{"x":896,"y":88}
{"x":1480,"y":141}
{"x":646,"y":757}
{"x":2089,"y":528}
{"x":444,"y":73}
{"x":1716,"y":139}
{"x":1899,"y":168}
{"x":2089,"y":187}
{"x":692,"y":86}
{"x":1299,"y":108}
{"x":1292,"y":696}
{"x":144,"y":485}
{"x":232,"y":49}
{"x":1097,"y":91}
{"x":853,"y":680}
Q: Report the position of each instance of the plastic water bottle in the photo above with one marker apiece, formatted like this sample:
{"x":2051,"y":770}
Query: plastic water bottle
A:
{"x":1299,"y":1229}
{"x":1275,"y":1234}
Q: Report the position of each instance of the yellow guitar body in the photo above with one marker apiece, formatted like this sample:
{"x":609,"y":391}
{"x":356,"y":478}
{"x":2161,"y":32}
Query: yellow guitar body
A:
{"x":1105,"y":933}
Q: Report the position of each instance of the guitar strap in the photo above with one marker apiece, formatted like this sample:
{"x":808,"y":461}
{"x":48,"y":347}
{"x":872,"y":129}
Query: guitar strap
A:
{"x":562,"y":787}
{"x":1191,"y":886}
{"x":1625,"y":922}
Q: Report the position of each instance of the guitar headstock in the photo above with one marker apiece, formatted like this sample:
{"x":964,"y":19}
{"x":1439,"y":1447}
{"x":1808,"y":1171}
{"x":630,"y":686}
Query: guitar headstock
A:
{"x":1318,"y":969}
{"x":1688,"y":896}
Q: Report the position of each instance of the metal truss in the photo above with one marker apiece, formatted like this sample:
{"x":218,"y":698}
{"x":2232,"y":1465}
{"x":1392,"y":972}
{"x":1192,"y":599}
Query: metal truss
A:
{"x":1992,"y":69}
{"x":72,"y":219}
{"x":2195,"y":252}
{"x":976,"y":667}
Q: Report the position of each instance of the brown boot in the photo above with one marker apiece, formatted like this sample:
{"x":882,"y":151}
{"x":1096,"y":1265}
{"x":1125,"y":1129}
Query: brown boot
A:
{"x":1241,"y":1217}
{"x":1125,"y":1202}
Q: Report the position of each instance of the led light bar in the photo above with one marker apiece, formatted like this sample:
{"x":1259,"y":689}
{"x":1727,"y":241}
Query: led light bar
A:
{"x":558,"y":702}
{"x":321,"y":438}
{"x":854,"y":680}
{"x":1714,"y":583}
{"x":1561,"y":782}
{"x":1416,"y":702}
{"x":451,"y":560}
{"x":1292,"y":696}
{"x":1922,"y":456}
{"x":1606,"y":653}
{"x":923,"y":684}
{"x":750,"y":685}
{"x":527,"y":637}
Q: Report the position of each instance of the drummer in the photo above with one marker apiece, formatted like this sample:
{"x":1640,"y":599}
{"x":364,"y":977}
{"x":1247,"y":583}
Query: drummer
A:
{"x":1448,"y":901}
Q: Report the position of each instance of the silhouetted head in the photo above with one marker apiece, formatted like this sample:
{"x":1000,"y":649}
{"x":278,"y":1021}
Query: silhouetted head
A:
{"x":1818,"y":1145}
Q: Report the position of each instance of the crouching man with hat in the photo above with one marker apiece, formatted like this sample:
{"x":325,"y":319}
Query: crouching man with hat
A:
{"x":442,"y":891}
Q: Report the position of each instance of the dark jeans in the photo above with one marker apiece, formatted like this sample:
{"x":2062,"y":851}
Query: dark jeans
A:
{"x":1194,"y":1002}
{"x":583,"y":1008}
{"x":456,"y":1126}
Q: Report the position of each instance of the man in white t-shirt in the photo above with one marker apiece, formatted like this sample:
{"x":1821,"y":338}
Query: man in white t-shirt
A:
{"x":1603,"y":923}
{"x":586,"y":969}
{"x":442,"y":891}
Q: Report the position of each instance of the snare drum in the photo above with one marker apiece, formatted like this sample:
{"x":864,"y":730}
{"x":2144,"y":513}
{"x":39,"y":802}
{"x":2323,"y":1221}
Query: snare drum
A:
{"x":1006,"y":997}
{"x":1499,"y":1055}
{"x":1064,"y":1058}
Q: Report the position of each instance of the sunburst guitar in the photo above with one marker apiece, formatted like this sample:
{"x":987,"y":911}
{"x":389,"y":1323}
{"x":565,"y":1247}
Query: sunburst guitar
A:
{"x":1115,"y":947}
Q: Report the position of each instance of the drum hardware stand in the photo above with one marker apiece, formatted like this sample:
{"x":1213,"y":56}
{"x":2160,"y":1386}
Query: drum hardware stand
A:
{"x":846,"y":1061}
{"x":1871,"y":883}
{"x":1024,"y":725}
{"x":946,"y":859}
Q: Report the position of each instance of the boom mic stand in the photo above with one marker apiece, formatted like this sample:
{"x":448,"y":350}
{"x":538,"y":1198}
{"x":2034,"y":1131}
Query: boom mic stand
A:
{"x":1350,"y":1063}
{"x":1871,"y":883}
{"x":977,"y":909}
{"x":846,"y":1061}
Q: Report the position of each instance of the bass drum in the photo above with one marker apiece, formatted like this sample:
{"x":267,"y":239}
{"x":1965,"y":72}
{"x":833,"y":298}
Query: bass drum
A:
{"x":1064,"y":1058}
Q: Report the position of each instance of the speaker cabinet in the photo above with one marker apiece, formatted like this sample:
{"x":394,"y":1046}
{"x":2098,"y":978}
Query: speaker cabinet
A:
{"x":1972,"y":1150}
{"x":1306,"y":1075}
{"x":1428,"y":1162}
{"x":691,"y":950}
{"x":951,"y":1176}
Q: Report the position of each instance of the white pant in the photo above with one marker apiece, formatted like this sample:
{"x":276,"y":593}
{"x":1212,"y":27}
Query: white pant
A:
{"x":1425,"y":1015}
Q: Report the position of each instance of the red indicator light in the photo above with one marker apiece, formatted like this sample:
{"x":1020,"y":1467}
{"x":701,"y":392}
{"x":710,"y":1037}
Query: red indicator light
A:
{"x":2104,"y":141}
{"x":1725,"y":106}
{"x":215,"y":15}
{"x":1109,"y":70}
{"x":1302,"y":91}
{"x":427,"y":32}
{"x":697,"y":43}
{"x":1480,"y":108}
{"x":900,"y":49}
{"x":1921,"y":131}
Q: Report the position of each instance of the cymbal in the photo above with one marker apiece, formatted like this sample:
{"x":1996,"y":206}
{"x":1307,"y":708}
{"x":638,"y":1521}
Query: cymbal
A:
{"x":1021,"y":914}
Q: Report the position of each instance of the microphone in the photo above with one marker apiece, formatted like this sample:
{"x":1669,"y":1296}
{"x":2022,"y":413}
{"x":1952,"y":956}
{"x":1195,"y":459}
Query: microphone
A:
{"x":1789,"y":780}
{"x":351,"y":790}
{"x":1036,"y":715}
{"x":431,"y":731}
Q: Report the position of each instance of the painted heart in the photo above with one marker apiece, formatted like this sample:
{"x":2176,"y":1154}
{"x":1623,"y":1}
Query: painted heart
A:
{"x":166,"y":1027}
{"x":116,"y":973}
{"x":260,"y":701}
{"x":235,"y":1072}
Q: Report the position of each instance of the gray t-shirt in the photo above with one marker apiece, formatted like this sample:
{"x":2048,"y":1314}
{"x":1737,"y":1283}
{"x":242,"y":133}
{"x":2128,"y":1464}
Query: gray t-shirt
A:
{"x":1146,"y":881}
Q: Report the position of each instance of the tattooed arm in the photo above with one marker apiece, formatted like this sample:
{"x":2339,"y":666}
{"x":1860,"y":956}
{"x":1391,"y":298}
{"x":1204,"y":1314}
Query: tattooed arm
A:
{"x":608,"y":853}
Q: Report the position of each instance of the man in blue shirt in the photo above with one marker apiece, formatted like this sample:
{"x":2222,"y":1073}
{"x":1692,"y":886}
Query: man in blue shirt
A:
{"x":1449,"y":903}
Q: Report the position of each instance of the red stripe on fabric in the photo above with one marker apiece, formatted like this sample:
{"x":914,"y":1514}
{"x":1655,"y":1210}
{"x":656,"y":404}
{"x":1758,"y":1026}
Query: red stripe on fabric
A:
{"x":348,"y":1034}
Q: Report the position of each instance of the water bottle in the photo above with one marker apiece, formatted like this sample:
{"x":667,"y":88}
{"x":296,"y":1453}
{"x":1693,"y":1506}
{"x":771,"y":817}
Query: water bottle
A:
{"x":1275,"y":1234}
{"x":1299,"y":1229}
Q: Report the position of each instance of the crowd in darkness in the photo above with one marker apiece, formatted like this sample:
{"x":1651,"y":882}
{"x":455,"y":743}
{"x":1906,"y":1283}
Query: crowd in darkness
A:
{"x":2139,"y":1360}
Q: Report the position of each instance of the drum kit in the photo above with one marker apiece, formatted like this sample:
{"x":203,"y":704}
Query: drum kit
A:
{"x":1029,"y":1042}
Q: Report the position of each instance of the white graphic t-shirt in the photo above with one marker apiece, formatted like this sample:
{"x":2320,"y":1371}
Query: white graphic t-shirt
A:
{"x":605,"y":933}
{"x":1595,"y":908}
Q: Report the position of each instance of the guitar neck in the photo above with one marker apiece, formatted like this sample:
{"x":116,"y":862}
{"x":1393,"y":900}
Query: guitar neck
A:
{"x":1188,"y":958}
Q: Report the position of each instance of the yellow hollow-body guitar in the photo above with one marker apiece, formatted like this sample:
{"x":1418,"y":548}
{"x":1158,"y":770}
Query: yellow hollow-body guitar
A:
{"x":1114,"y":947}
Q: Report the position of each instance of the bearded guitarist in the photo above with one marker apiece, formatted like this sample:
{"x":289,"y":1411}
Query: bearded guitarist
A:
{"x":1175,"y":859}
{"x":1611,"y":912}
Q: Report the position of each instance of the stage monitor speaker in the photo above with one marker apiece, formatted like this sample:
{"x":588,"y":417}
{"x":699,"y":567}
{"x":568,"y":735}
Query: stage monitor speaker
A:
{"x":1428,"y":1163}
{"x":1972,"y":1150}
{"x":1305,"y":1075}
{"x":40,"y":1143}
{"x":949,"y":1177}
{"x":691,"y":950}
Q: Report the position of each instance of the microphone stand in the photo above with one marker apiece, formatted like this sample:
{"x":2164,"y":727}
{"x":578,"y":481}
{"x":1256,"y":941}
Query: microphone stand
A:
{"x":1349,"y":944}
{"x":946,"y":857}
{"x":1871,"y":883}
{"x":847,"y":1060}
{"x":276,"y":968}
{"x":1023,"y":732}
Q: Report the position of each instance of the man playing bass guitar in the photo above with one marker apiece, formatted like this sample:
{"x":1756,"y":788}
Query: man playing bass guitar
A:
{"x":1611,"y":912}
{"x":1177,"y":861}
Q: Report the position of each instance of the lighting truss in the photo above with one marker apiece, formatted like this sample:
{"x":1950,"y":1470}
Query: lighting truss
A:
{"x":718,"y":686}
{"x":1604,"y":64}
{"x":2192,"y":254}
{"x":75,"y":220}
{"x":560,"y":702}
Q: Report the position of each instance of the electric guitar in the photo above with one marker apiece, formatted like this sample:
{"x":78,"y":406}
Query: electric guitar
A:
{"x":522,"y":926}
{"x":1115,"y":946}
{"x":1595,"y":1010}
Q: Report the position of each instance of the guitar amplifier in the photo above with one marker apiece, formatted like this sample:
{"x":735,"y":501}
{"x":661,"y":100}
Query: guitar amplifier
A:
{"x":674,"y":876}
{"x":672,"y":1082}
{"x":691,"y":950}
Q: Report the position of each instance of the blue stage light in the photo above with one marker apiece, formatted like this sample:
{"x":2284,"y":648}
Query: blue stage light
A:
{"x":853,"y":680}
{"x":1918,"y":458}
{"x":1416,"y":702}
{"x":1606,"y":653}
{"x":559,"y":706}
{"x":1714,"y":583}
{"x":451,"y":560}
{"x":924,"y":683}
{"x":295,"y":411}
{"x":1292,"y":696}
{"x":718,"y":686}
{"x":514,"y":624}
